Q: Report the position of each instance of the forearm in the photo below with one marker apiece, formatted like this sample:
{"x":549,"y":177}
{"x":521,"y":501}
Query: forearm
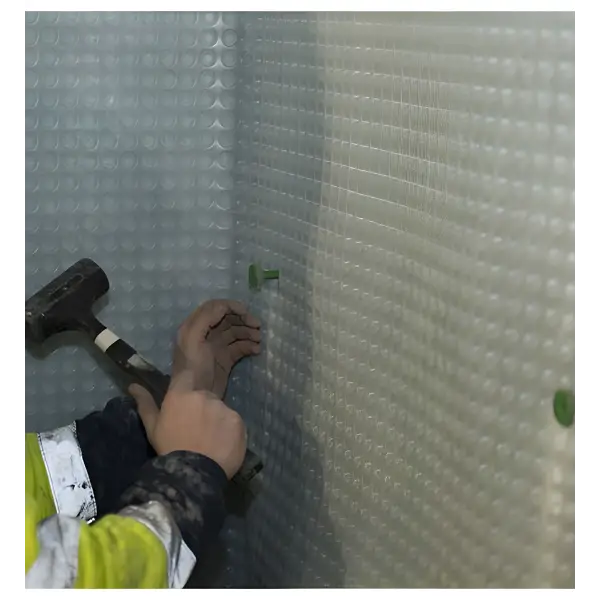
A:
{"x":124,"y":469}
{"x":138,"y":548}
{"x":191,"y":486}
{"x":64,"y":484}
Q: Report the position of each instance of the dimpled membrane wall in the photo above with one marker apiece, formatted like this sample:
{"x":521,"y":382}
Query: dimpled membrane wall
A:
{"x":129,"y":137}
{"x":412,"y":176}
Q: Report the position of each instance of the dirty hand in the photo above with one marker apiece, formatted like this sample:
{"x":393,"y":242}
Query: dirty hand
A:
{"x":195,"y":422}
{"x":217,"y":335}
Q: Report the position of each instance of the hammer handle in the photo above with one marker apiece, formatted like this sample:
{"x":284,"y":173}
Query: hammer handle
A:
{"x":140,"y":371}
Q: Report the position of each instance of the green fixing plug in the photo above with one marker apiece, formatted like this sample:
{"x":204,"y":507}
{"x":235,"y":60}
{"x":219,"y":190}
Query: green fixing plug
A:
{"x":564,"y":407}
{"x":257,"y":276}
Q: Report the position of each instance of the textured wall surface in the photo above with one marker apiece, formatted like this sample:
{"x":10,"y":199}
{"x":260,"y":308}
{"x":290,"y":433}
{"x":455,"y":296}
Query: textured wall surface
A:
{"x":413,"y":178}
{"x":129,"y":139}
{"x":412,"y":175}
{"x":129,"y":135}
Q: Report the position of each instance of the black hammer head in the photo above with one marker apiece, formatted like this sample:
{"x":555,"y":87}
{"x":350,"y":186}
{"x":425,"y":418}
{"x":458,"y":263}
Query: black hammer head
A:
{"x":66,"y":302}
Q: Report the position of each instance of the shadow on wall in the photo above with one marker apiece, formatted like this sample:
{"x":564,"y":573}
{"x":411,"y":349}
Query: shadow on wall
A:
{"x":280,"y":136}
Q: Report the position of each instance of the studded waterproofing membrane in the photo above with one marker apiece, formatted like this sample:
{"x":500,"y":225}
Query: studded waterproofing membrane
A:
{"x":411,"y":176}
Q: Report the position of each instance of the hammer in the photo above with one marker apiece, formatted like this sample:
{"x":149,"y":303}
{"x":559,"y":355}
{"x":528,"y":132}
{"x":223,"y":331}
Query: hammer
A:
{"x":65,"y":304}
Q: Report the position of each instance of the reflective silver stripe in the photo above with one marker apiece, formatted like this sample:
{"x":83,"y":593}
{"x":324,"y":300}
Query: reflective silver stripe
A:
{"x":56,"y":564}
{"x":157,"y":518}
{"x":69,"y":481}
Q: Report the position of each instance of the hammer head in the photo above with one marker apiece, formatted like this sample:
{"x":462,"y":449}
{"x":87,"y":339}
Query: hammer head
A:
{"x":65,"y":304}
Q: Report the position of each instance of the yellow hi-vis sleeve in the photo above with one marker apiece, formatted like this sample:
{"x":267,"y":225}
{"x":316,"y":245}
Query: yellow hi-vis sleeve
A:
{"x":140,"y":547}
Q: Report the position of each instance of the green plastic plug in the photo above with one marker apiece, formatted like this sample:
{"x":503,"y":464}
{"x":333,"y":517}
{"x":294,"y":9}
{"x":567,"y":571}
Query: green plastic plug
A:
{"x":564,"y":407}
{"x":257,"y":276}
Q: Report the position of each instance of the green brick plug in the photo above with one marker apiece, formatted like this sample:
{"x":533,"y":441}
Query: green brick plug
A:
{"x":257,"y":276}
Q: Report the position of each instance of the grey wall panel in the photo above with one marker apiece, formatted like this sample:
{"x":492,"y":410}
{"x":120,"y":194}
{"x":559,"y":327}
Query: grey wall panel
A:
{"x":129,"y":140}
{"x":129,"y":135}
{"x":412,"y":175}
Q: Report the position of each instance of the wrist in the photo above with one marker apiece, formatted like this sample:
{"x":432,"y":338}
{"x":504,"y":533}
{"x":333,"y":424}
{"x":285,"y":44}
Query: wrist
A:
{"x":182,"y":380}
{"x":190,"y":376}
{"x":191,"y":486}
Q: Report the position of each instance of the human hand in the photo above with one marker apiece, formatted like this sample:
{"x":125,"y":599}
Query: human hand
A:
{"x":216,"y":336}
{"x":194,"y":421}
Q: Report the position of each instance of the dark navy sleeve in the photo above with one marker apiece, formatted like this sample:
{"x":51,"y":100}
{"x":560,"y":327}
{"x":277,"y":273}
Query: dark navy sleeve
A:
{"x":192,"y":487}
{"x":124,"y":470}
{"x":114,"y":447}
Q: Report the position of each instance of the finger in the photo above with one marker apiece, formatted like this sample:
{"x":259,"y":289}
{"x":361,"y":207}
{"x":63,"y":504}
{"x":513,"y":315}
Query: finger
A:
{"x":242,"y":349}
{"x":229,"y":320}
{"x":183,"y":381}
{"x":251,"y":321}
{"x":234,"y":334}
{"x":224,"y":337}
{"x":236,"y":311}
{"x":146,"y":408}
{"x":199,"y":314}
{"x":211,"y":314}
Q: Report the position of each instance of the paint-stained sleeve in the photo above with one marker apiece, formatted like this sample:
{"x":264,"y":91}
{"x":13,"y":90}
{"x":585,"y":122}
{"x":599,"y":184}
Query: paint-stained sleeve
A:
{"x":141,"y":547}
{"x":192,"y":487}
{"x":166,"y":520}
{"x":56,"y":475}
{"x":124,"y":469}
{"x":83,"y":469}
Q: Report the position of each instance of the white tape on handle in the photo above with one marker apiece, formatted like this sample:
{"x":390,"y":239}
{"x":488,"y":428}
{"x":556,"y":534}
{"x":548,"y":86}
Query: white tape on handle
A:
{"x":106,"y":339}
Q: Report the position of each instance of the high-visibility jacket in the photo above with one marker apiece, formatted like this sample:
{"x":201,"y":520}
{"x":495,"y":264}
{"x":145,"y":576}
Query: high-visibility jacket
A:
{"x":81,"y":531}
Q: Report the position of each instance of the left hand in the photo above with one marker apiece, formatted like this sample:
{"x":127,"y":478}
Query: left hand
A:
{"x":216,"y":336}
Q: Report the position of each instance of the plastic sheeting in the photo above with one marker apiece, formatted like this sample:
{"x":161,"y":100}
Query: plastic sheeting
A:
{"x":412,"y":177}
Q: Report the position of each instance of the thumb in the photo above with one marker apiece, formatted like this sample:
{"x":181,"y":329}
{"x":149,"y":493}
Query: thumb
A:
{"x":146,"y":407}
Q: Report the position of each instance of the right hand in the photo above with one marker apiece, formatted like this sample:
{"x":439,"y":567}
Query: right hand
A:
{"x":194,"y":421}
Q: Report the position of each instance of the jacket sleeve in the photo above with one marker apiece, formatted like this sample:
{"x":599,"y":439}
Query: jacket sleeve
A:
{"x":114,"y":447}
{"x":152,"y":538}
